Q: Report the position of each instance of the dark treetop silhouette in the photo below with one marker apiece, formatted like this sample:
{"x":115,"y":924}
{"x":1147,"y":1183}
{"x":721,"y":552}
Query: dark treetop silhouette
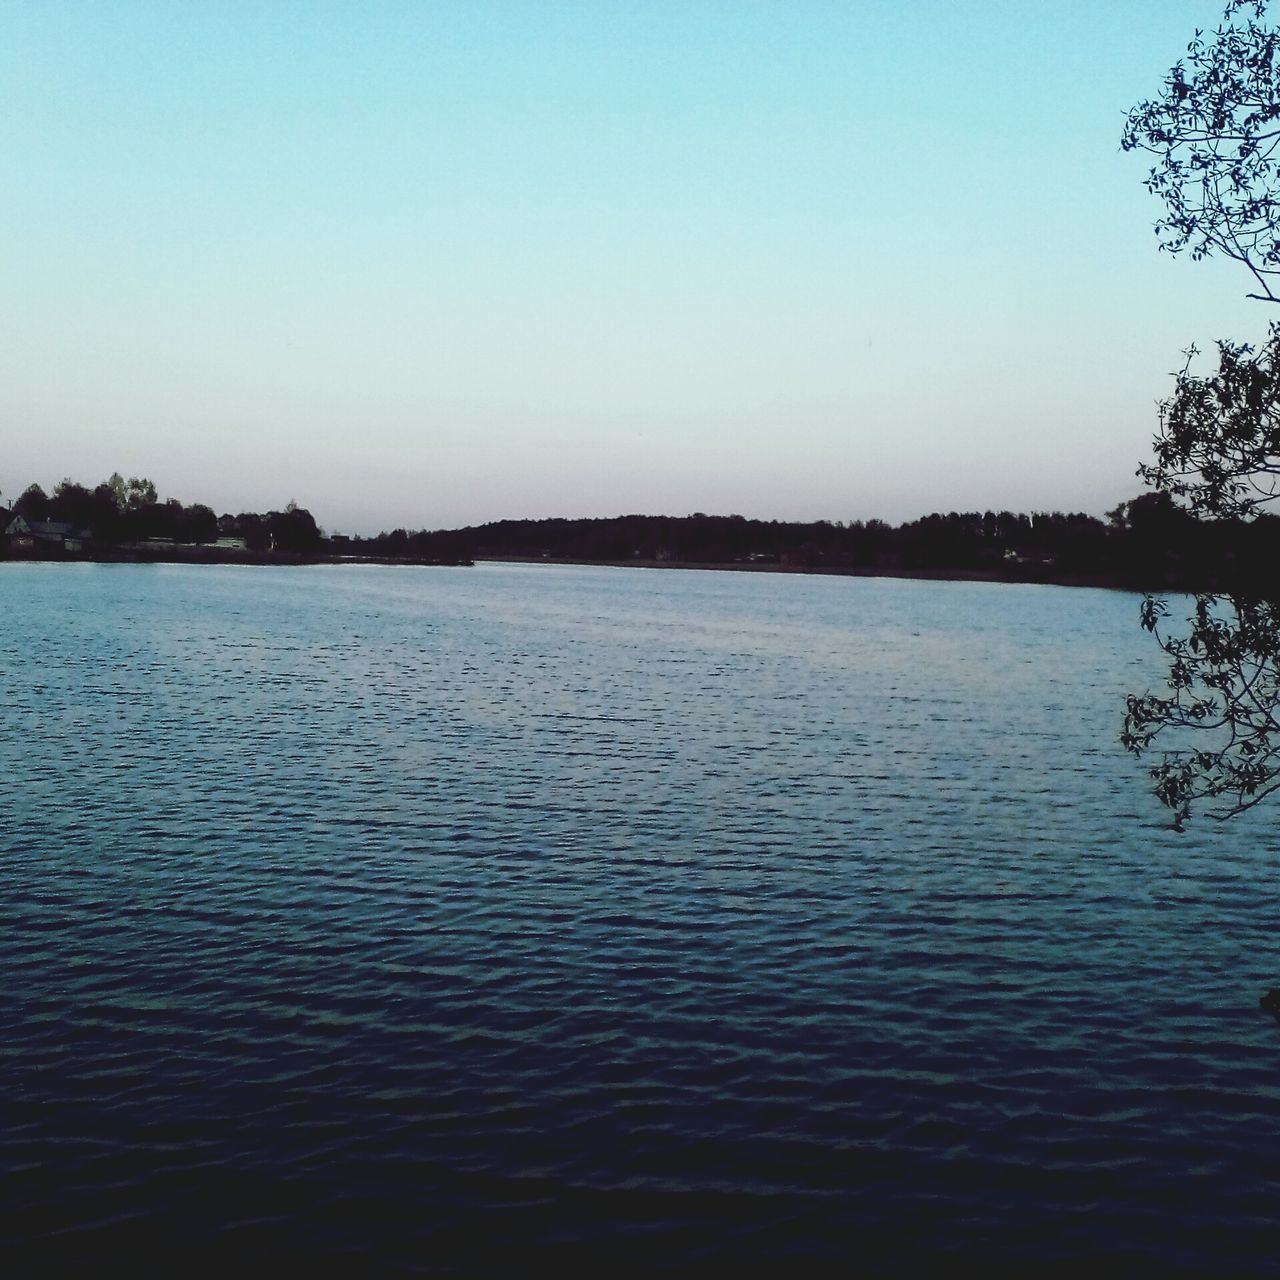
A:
{"x":124,"y":519}
{"x":1148,"y":542}
{"x":1214,"y":131}
{"x":1145,"y":543}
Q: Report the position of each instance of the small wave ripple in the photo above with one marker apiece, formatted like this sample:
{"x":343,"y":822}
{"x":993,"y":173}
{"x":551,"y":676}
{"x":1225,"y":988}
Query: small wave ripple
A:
{"x":447,"y":920}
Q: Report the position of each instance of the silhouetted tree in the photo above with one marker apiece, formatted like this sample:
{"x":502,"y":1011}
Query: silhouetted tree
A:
{"x":198,"y":523}
{"x":1219,"y":452}
{"x":1214,"y":134}
{"x":1214,"y":131}
{"x":33,"y":504}
{"x":294,"y":529}
{"x":72,"y":503}
{"x":254,"y":530}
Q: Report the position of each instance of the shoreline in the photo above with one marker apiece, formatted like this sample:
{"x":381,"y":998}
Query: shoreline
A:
{"x":205,"y":555}
{"x":1100,"y":581}
{"x":198,"y":554}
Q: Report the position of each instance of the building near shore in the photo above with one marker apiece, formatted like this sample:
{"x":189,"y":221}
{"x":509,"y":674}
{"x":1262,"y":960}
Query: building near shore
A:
{"x":25,"y":536}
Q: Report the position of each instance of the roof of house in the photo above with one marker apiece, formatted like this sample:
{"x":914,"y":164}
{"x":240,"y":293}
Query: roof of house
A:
{"x":20,"y":527}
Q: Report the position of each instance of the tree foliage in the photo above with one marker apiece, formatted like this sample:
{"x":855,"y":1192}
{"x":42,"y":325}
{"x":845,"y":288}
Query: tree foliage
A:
{"x":1214,"y":131}
{"x":1002,"y":544}
{"x":1218,"y":447}
{"x":139,"y":493}
{"x":1218,"y":454}
{"x":1224,"y":683}
{"x":32,"y":504}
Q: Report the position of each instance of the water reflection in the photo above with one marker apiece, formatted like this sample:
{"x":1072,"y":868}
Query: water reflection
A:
{"x":425,"y":916}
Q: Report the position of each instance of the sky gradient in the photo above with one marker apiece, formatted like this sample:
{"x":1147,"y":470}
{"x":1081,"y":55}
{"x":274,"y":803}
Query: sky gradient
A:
{"x":426,"y":265}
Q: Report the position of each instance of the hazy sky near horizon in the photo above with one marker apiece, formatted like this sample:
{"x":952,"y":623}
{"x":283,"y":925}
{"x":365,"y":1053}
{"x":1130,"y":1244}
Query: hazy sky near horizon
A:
{"x":430,"y":264}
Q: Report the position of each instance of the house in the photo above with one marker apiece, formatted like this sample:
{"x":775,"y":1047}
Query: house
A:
{"x":56,"y":535}
{"x":19,"y":535}
{"x":45,"y":535}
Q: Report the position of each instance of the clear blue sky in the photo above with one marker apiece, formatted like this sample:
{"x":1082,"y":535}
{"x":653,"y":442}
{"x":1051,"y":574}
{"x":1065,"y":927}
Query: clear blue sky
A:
{"x":428,"y":264}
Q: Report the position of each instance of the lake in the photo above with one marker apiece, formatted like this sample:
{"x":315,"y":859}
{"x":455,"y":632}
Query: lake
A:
{"x":452,"y":919}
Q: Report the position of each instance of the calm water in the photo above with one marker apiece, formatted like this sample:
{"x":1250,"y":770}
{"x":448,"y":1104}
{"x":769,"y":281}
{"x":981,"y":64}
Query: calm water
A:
{"x":441,"y":918}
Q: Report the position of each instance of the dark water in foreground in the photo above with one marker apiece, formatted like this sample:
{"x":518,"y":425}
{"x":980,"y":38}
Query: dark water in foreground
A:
{"x":446,"y":919}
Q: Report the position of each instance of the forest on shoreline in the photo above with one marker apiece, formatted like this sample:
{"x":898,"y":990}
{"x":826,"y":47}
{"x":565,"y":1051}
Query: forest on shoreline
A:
{"x":1147,"y":543}
{"x":126,"y":520}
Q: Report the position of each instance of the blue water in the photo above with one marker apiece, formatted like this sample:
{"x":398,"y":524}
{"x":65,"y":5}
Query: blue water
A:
{"x":449,"y":920}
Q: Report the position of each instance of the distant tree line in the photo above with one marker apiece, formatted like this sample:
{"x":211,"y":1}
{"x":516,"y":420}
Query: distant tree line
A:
{"x":1150,"y":541}
{"x":446,"y":546}
{"x":118,"y":515}
{"x":1147,"y":541}
{"x":121,"y":512}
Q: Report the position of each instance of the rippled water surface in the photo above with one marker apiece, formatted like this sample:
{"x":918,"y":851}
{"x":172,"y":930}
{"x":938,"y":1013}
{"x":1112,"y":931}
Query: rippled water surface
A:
{"x":437,"y":919}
